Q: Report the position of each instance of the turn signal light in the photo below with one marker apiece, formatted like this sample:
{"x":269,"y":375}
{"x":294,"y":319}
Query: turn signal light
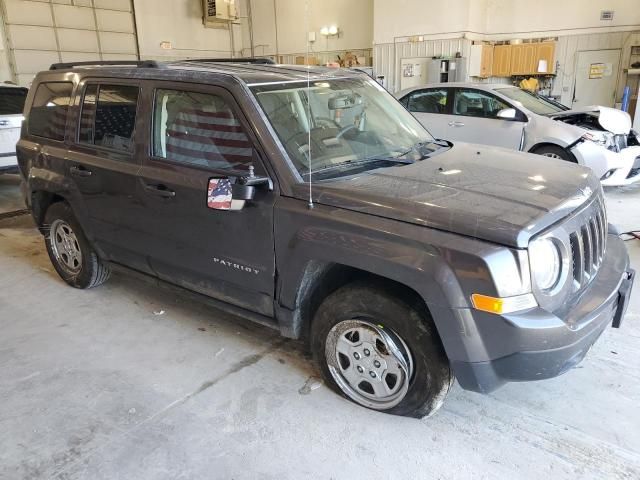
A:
{"x":499,"y":305}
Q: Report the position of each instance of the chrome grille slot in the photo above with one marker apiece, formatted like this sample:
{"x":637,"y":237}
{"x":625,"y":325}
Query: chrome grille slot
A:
{"x":588,"y":243}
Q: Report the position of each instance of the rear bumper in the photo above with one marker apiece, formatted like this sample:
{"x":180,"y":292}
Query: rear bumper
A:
{"x":536,"y":344}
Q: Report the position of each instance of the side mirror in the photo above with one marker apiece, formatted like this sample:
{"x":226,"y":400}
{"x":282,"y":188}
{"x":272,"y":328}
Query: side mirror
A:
{"x":507,"y":114}
{"x":225,"y":194}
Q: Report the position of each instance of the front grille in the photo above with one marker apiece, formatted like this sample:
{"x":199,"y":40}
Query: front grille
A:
{"x":588,"y":243}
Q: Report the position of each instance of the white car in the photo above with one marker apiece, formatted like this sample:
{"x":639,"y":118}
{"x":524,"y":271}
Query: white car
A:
{"x":12,"y":100}
{"x":506,"y":116}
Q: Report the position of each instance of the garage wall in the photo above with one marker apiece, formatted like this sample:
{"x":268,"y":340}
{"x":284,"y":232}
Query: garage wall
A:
{"x":500,"y":19}
{"x":39,"y":33}
{"x":386,"y":57}
{"x":180,"y":22}
{"x":280,"y":26}
{"x":553,"y":17}
{"x":575,"y":23}
{"x":568,"y":47}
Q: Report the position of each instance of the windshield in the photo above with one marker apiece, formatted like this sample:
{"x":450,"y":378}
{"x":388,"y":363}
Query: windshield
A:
{"x":354,"y":125}
{"x":533,"y":102}
{"x":12,"y":100}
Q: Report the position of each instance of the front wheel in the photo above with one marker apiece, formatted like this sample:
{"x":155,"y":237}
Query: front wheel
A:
{"x":380,"y":351}
{"x":553,"y":151}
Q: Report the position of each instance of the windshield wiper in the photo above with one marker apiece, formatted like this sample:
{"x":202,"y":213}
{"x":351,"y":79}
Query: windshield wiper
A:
{"x":355,"y":163}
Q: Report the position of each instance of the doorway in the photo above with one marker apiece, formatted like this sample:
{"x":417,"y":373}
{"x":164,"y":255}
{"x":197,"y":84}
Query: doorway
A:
{"x":596,"y":78}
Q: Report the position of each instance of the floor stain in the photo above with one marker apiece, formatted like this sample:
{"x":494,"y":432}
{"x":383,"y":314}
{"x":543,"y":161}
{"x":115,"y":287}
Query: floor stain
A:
{"x":311,"y":384}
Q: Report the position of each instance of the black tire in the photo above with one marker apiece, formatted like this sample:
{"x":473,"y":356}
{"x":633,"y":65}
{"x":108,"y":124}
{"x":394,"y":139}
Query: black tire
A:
{"x":91,"y":270}
{"x":555,"y":151}
{"x":432,"y":377}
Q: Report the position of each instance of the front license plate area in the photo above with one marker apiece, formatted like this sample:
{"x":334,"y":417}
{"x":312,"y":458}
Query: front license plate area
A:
{"x":624,"y":295}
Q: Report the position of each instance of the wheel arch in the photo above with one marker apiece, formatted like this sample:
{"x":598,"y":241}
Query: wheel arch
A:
{"x":321,"y":278}
{"x":41,"y":200}
{"x":538,"y":146}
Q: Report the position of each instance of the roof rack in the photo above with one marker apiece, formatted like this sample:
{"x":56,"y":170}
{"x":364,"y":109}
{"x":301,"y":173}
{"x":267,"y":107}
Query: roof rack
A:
{"x":103,"y":63}
{"x":253,"y":60}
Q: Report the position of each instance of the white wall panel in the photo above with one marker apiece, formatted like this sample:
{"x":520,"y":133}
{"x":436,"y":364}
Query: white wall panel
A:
{"x":117,"y":42}
{"x":72,"y":40}
{"x":113,"y":21}
{"x":28,"y":13}
{"x":32,"y":61}
{"x":74,"y":17}
{"x":77,"y":57}
{"x":124,"y":5}
{"x":387,"y":57}
{"x":32,"y":38}
{"x":566,"y":56}
{"x":180,"y":23}
{"x":118,"y":56}
{"x":41,"y":32}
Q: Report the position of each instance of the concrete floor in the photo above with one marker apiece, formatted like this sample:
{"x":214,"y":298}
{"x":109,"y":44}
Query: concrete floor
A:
{"x":99,"y":385}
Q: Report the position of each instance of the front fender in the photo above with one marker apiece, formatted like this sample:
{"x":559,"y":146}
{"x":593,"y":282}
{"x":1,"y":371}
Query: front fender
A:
{"x":444,"y":269}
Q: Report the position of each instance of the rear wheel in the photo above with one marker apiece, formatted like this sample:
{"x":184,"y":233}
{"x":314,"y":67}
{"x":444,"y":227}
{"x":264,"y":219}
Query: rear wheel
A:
{"x":74,"y":259}
{"x":553,"y":151}
{"x":380,"y":351}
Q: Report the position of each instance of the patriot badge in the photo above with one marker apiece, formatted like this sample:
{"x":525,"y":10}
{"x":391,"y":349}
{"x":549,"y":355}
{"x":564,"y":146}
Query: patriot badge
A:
{"x":219,"y":194}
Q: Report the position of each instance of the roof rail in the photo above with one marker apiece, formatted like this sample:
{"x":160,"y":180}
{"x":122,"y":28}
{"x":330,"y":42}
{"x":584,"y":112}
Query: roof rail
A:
{"x":254,"y":60}
{"x":103,"y":63}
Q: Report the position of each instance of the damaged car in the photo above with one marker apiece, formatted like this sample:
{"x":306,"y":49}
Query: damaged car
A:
{"x":598,"y":137}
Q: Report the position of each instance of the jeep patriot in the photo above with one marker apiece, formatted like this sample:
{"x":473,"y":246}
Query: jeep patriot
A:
{"x":310,"y":200}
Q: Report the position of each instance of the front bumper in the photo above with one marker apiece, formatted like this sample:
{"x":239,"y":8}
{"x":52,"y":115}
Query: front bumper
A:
{"x":536,"y":344}
{"x":622,"y":168}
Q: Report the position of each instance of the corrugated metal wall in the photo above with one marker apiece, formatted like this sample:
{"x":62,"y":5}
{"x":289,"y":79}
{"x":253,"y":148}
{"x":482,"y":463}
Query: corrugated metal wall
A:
{"x":386,"y":57}
{"x":566,"y":56}
{"x":39,"y":33}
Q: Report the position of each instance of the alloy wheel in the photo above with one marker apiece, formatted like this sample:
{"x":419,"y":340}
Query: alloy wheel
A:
{"x":371,"y":364}
{"x":65,"y":247}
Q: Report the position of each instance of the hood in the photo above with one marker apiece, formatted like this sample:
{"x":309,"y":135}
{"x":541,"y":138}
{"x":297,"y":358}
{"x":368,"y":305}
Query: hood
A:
{"x":494,"y":194}
{"x":610,"y":119}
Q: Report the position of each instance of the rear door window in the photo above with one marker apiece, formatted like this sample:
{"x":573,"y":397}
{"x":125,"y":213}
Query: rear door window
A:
{"x":48,"y":114}
{"x":428,"y":101}
{"x":108,"y":116}
{"x":12,"y":100}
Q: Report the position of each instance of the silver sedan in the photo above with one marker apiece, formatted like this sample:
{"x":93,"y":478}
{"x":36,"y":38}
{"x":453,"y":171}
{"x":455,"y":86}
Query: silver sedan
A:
{"x":505,"y":116}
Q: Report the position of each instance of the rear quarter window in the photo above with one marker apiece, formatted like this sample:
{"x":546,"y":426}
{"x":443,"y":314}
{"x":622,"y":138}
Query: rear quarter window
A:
{"x":48,"y":114}
{"x":12,"y":100}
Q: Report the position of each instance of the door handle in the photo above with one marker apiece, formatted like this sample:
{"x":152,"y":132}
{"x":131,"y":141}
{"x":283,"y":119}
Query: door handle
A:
{"x":80,"y":172}
{"x":456,"y":124}
{"x":160,"y":190}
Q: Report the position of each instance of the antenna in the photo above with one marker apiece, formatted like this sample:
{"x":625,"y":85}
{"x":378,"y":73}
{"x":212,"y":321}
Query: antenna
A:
{"x":308,"y":107}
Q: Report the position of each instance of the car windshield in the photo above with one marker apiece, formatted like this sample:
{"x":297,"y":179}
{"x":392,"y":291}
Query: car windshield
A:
{"x":351,"y":124}
{"x":532,"y":102}
{"x":12,"y":100}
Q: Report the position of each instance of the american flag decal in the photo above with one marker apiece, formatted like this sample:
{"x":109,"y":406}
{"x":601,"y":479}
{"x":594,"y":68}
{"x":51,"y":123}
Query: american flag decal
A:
{"x":219,"y":194}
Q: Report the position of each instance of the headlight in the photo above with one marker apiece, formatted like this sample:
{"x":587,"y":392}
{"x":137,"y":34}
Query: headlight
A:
{"x":545,"y":261}
{"x":596,"y":136}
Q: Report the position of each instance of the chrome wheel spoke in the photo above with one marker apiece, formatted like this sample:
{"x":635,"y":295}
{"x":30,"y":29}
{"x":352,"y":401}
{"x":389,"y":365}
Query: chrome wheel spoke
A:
{"x":65,"y":247}
{"x":380,"y":389}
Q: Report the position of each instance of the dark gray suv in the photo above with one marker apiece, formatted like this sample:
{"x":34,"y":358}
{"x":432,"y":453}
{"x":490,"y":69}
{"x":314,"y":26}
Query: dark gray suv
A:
{"x":310,"y":200}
